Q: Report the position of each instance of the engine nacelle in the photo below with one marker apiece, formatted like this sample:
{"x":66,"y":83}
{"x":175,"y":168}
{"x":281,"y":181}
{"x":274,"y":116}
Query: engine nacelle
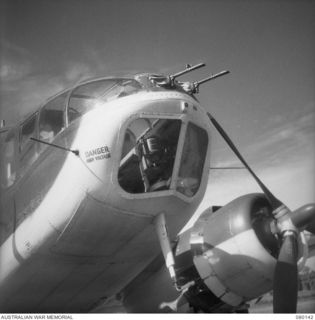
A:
{"x":233,"y":252}
{"x":229,"y":254}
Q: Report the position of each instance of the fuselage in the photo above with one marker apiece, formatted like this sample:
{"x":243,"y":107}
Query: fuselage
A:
{"x":79,"y":226}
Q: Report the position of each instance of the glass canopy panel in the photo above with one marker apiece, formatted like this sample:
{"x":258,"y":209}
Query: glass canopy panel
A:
{"x":27,"y":131}
{"x":51,"y":118}
{"x":148,"y":155}
{"x":94,"y":94}
{"x":193,"y":159}
{"x":8,"y":160}
{"x":28,"y":152}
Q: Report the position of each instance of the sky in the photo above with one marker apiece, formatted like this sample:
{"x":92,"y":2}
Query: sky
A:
{"x":266,"y":103}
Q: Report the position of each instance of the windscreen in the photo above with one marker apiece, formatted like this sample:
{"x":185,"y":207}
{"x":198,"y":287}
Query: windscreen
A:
{"x":94,"y":94}
{"x":51,"y":118}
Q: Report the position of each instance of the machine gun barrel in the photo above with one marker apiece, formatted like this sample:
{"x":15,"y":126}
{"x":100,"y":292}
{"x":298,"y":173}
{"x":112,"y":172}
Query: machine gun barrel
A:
{"x":222,"y":73}
{"x":189,"y":69}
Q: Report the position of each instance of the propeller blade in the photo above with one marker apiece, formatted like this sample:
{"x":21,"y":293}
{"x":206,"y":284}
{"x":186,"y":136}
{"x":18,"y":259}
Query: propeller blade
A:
{"x":286,"y":276}
{"x":304,"y":217}
{"x":273,"y":200}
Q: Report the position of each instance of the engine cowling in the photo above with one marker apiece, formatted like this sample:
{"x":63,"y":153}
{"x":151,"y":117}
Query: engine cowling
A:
{"x":226,"y":259}
{"x":233,"y":253}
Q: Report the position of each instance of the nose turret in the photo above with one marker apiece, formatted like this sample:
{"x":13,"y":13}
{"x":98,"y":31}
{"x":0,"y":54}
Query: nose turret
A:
{"x":163,"y":154}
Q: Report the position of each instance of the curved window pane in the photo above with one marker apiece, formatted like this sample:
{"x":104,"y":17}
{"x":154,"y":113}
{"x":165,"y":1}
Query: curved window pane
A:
{"x":148,"y":156}
{"x":51,"y":119}
{"x":28,"y":152}
{"x":94,"y":94}
{"x":27,"y":132}
{"x":192,"y":162}
{"x":8,"y":160}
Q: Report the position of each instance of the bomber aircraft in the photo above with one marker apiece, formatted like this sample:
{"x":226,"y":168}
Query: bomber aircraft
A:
{"x":96,"y":186}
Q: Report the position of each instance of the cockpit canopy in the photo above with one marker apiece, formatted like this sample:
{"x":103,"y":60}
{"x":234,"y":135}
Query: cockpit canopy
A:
{"x":19,"y":151}
{"x":72,"y":104}
{"x":94,"y":94}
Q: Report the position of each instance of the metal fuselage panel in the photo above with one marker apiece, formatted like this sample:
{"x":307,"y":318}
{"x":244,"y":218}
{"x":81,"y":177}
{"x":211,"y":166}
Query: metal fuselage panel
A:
{"x":77,"y":235}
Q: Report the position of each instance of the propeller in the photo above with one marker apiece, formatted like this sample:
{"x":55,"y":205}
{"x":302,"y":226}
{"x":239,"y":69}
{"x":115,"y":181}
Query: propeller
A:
{"x":286,"y":276}
{"x":289,"y":224}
